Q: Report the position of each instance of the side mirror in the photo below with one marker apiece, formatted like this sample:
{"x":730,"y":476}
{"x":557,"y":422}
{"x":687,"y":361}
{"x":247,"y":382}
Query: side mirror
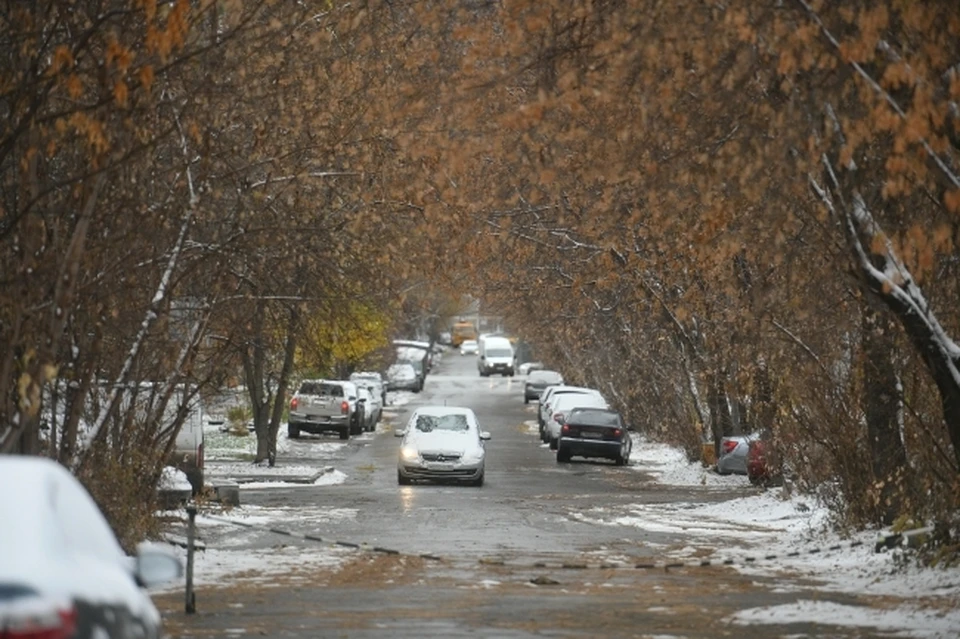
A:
{"x":485,"y":436}
{"x":400,"y":433}
{"x":155,"y":565}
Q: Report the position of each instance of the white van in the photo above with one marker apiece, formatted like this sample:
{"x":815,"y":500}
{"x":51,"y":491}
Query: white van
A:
{"x":496,"y":356}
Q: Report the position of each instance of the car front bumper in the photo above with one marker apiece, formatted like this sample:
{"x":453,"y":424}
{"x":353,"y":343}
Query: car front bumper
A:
{"x":441,"y":471}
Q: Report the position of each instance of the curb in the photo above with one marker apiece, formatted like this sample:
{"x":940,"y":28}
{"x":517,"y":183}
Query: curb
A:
{"x":290,"y":479}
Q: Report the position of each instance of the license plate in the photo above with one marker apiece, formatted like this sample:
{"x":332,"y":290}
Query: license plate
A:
{"x":591,"y":435}
{"x":439,"y":466}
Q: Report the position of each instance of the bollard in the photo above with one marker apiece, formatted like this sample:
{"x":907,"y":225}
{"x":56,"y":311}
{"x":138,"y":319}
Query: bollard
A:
{"x":191,"y":600}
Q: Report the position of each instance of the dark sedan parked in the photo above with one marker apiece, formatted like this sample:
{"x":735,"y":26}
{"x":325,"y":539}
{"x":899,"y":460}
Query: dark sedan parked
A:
{"x":594,"y":432}
{"x":538,"y":380}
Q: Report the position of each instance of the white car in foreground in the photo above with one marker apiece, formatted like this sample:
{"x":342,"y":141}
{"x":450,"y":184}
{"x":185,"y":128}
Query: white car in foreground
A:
{"x":62,"y":571}
{"x":442,"y":443}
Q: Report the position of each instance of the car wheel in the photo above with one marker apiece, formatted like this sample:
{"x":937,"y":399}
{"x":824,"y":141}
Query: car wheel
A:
{"x":293,"y":432}
{"x":403,"y":481}
{"x":563,"y":455}
{"x":620,"y":460}
{"x":478,"y":482}
{"x":526,"y":400}
{"x":345,"y":432}
{"x":553,"y":443}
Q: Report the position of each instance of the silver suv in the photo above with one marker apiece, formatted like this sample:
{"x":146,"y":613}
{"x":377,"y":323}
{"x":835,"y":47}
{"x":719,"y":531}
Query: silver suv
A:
{"x":323,"y":405}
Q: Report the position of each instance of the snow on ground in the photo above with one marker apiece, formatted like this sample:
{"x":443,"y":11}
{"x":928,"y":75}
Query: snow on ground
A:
{"x":231,"y":560}
{"x":173,"y":479}
{"x":922,"y":602}
{"x":670,"y":466}
{"x":769,"y":522}
{"x":905,"y":622}
{"x":329,"y":478}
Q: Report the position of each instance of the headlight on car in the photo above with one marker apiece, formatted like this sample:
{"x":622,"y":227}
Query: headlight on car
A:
{"x":409,"y":453}
{"x":472,"y":456}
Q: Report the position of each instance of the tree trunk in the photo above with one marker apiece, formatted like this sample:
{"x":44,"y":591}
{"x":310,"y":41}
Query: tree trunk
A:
{"x":903,"y":296}
{"x":720,"y":420}
{"x":289,"y":350}
{"x":881,"y":398}
{"x":253,"y":355}
{"x":77,"y":392}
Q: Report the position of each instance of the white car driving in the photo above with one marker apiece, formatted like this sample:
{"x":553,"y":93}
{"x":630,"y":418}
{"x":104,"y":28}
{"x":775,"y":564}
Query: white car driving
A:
{"x":442,"y":443}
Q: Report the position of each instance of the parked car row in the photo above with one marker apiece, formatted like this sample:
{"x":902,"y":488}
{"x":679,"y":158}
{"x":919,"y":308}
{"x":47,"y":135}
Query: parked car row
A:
{"x":412,"y":356}
{"x":576,"y":421}
{"x":347,"y":407}
{"x":749,"y":455}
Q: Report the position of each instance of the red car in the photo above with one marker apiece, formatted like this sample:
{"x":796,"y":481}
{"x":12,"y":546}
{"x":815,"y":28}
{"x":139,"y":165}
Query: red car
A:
{"x":763,"y":465}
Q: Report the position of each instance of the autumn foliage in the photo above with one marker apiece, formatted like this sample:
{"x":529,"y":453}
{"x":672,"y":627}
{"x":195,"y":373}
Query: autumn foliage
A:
{"x":736,"y":217}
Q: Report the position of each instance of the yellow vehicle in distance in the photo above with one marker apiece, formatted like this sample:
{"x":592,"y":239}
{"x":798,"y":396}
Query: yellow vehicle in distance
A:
{"x":462,"y":331}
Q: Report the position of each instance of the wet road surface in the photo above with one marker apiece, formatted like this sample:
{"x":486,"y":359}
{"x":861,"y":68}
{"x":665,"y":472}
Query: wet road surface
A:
{"x":512,"y":558}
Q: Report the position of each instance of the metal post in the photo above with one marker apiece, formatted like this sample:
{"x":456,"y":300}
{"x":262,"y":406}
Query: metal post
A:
{"x":191,"y":600}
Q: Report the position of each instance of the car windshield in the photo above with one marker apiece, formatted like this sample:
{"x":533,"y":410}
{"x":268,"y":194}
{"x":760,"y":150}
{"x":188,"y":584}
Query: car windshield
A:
{"x":453,"y":423}
{"x":499,"y":352}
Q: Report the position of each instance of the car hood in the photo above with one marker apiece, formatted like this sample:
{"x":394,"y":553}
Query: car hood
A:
{"x":60,"y":544}
{"x":443,"y":442}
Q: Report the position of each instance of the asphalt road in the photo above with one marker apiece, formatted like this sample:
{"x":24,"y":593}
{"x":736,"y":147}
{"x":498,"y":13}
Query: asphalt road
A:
{"x":514,"y":559}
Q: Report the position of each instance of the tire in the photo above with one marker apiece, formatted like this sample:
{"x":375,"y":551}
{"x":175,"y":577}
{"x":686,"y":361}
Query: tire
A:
{"x":478,"y":482}
{"x":293,"y":432}
{"x":401,"y":480}
{"x":345,"y":432}
{"x":526,"y":400}
{"x":357,"y":425}
{"x":619,"y":460}
{"x":563,"y":455}
{"x":553,"y":443}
